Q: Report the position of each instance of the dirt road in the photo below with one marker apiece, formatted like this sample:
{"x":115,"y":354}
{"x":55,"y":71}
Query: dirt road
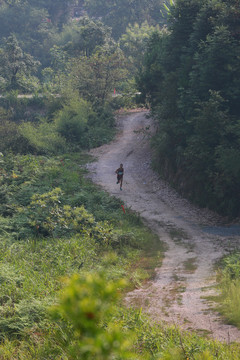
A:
{"x":194,"y":237}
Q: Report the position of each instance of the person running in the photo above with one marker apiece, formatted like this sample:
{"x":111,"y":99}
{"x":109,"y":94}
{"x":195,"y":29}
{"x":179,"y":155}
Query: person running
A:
{"x":120,"y":172}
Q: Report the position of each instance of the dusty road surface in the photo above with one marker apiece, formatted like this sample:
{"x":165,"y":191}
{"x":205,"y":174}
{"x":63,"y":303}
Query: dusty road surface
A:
{"x":195,"y":238}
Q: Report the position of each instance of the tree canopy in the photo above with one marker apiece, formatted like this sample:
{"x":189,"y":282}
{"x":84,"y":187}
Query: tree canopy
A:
{"x":191,"y":78}
{"x":16,"y":66}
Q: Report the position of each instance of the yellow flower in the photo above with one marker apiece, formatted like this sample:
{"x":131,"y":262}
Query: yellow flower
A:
{"x":14,"y":176}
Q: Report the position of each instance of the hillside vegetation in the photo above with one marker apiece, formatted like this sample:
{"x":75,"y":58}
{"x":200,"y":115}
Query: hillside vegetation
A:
{"x":191,"y":80}
{"x":68,"y":68}
{"x":67,"y":250}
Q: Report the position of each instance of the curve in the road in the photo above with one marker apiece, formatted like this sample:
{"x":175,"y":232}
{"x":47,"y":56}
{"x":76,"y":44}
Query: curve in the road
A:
{"x":176,"y":294}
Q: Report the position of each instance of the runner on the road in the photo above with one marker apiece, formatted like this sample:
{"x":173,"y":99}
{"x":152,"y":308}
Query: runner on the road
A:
{"x":120,"y":172}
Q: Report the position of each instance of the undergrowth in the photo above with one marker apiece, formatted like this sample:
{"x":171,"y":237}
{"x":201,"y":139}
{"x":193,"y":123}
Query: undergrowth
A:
{"x":56,"y":225}
{"x":229,"y":287}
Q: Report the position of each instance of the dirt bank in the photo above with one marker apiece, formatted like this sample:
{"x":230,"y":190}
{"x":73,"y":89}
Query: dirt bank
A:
{"x":191,"y":236}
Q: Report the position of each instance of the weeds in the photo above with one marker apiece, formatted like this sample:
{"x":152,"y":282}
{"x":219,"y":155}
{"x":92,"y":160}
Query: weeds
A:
{"x":53,"y":223}
{"x":33,"y":264}
{"x":229,"y":286}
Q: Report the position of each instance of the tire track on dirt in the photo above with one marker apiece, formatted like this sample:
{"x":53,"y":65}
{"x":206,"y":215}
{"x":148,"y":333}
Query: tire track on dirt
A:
{"x":176,"y":294}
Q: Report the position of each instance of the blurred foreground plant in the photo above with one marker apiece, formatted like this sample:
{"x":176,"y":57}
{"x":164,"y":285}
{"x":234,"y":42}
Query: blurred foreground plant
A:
{"x":84,"y":319}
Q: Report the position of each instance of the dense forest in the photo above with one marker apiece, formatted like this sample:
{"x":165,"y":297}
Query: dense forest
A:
{"x":66,"y":67}
{"x":70,"y":64}
{"x":84,"y":50}
{"x":191,"y":79}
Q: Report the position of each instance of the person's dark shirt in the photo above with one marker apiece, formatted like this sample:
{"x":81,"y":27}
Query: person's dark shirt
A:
{"x":120,"y":171}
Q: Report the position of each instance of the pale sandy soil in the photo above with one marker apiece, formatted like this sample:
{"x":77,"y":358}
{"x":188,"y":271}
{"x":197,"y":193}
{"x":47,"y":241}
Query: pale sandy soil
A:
{"x":176,"y":295}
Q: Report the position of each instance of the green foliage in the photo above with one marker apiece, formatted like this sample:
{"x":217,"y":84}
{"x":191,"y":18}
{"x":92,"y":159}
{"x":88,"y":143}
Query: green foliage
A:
{"x":71,"y":121}
{"x":16,"y":66}
{"x":5,"y":224}
{"x":134,"y":43}
{"x":81,"y":126}
{"x":50,"y":218}
{"x":86,"y":305}
{"x":11,"y":138}
{"x":216,"y":67}
{"x":83,"y":36}
{"x":95,"y":77}
{"x":119,"y":14}
{"x":229,"y":286}
{"x":190,"y":78}
{"x":59,"y":11}
{"x":36,"y":24}
{"x":29,"y":276}
{"x":155,"y":341}
{"x":30,"y":27}
{"x":80,"y":57}
{"x":31,"y":270}
{"x":43,"y":137}
{"x":73,"y":125}
{"x":18,"y":318}
{"x":17,"y":108}
{"x":167,"y":6}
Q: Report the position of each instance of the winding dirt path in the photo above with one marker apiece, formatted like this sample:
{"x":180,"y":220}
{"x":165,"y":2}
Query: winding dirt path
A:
{"x":193,"y":246}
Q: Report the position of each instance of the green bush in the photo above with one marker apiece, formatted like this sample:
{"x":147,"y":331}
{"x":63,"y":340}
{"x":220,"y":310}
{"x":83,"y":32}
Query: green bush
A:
{"x":71,"y":121}
{"x":17,"y":318}
{"x":5,"y":226}
{"x":43,"y":137}
{"x":48,"y":216}
{"x":23,"y":109}
{"x":84,"y":311}
{"x":190,"y":78}
{"x":31,"y":270}
{"x":11,"y":138}
{"x":18,"y":313}
{"x":82,"y":127}
{"x":229,"y":286}
{"x":4,"y":200}
{"x":73,"y":125}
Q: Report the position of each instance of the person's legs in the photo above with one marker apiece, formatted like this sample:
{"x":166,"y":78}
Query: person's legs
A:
{"x":121,"y":181}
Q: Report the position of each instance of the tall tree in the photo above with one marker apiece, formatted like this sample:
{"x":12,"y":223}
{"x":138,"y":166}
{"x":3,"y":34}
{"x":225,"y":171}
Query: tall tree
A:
{"x":118,"y":14}
{"x":191,"y":77}
{"x":81,"y":37}
{"x":96,"y":76}
{"x":59,"y":10}
{"x":134,"y":43}
{"x":16,"y":66}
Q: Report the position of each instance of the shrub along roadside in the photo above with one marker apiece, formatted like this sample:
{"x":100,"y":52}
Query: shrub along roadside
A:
{"x":57,"y":127}
{"x":88,"y":323}
{"x":229,"y":287}
{"x":191,"y":80}
{"x":32,"y":268}
{"x":54,"y":223}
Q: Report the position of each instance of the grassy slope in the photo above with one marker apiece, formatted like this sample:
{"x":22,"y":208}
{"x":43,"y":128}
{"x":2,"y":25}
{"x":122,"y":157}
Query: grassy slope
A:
{"x":32,"y":268}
